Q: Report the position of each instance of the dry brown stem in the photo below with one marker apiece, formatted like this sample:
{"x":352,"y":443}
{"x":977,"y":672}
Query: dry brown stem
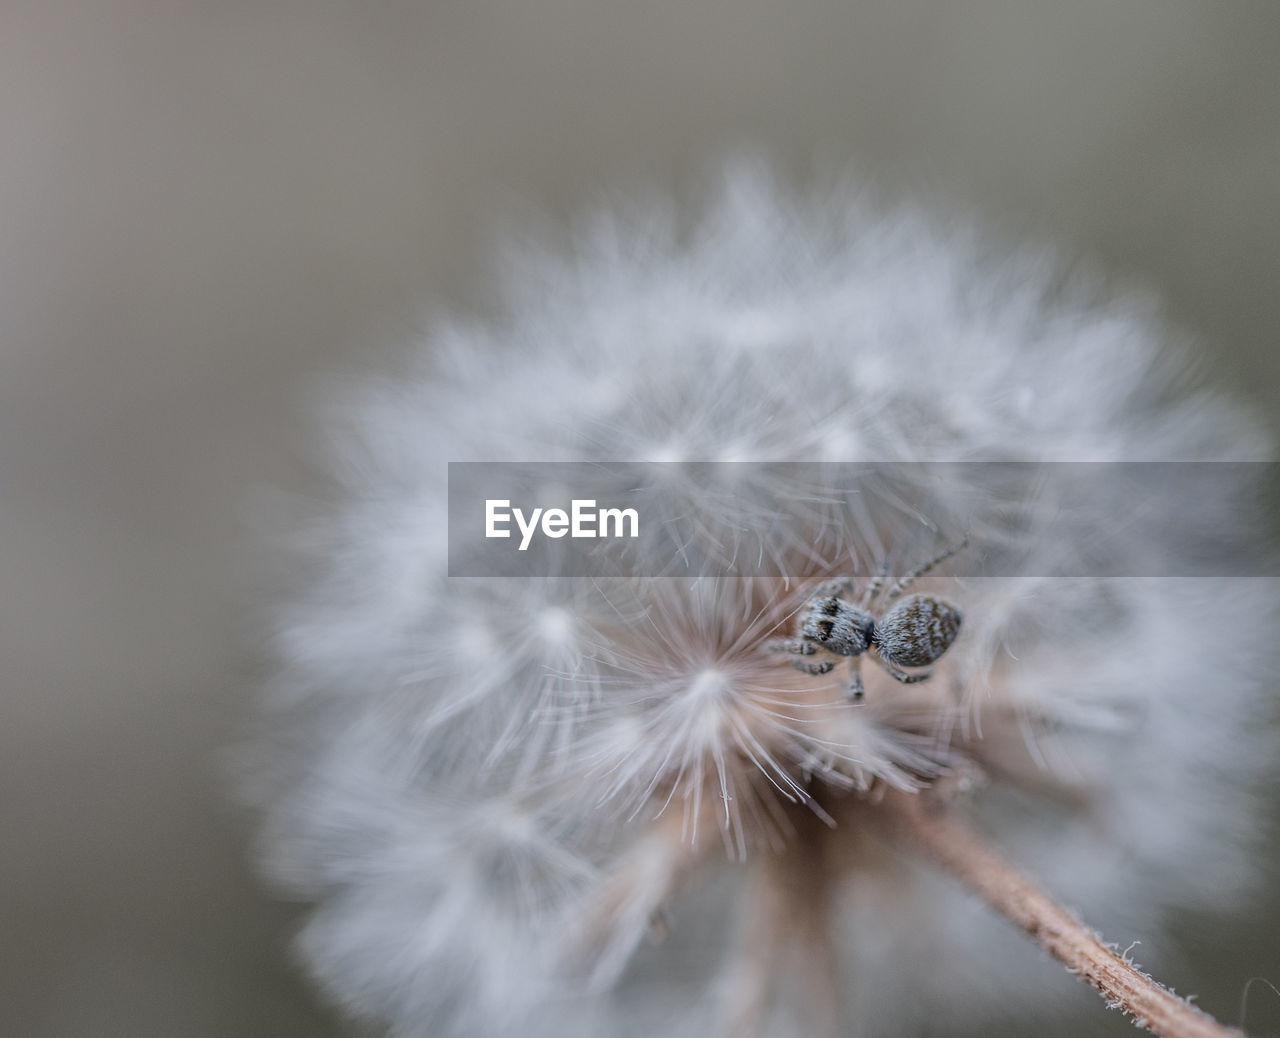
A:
{"x":787,"y":933}
{"x":912,"y":821}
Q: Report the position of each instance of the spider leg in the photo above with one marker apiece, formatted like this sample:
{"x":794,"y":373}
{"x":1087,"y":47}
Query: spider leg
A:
{"x":836,"y":587}
{"x":906,"y":581}
{"x":855,"y":691}
{"x":801,"y":653}
{"x":902,"y":675}
{"x":793,"y":646}
{"x":873,"y":588}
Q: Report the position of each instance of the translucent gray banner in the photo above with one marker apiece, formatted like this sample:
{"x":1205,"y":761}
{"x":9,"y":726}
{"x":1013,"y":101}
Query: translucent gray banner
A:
{"x":795,"y":519}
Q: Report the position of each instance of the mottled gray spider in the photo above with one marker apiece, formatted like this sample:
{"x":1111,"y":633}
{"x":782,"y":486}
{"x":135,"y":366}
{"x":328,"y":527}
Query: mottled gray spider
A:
{"x":913,"y":633}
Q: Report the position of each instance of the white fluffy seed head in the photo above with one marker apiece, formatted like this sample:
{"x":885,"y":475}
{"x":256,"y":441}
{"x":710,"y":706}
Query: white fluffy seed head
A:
{"x":483,"y":783}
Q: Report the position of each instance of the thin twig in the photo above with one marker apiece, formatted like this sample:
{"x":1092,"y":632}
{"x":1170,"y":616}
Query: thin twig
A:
{"x":910,"y":820}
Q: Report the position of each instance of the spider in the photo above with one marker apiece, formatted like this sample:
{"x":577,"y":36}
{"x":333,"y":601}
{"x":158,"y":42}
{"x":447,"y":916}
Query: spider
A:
{"x":913,"y":633}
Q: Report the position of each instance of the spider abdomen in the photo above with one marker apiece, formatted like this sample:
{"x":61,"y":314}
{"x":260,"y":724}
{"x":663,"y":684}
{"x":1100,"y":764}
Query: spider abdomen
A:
{"x":916,"y":631}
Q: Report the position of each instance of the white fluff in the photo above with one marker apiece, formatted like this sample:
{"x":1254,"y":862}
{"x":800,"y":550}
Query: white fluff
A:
{"x":458,"y":772}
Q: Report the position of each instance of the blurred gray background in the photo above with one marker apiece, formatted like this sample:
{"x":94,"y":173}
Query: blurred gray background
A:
{"x":204,"y":207}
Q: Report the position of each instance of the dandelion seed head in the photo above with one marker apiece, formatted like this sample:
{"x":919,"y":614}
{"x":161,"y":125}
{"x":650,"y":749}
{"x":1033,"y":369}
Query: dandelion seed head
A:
{"x":490,"y":789}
